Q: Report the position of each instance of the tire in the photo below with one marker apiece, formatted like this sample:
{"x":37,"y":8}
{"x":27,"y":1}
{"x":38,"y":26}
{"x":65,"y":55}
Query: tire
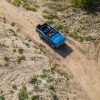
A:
{"x":41,"y":37}
{"x":53,"y":46}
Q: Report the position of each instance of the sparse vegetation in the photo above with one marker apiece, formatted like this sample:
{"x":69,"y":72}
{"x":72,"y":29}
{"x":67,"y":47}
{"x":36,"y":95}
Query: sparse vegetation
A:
{"x":55,"y":97}
{"x":2,"y":97}
{"x":14,"y":86}
{"x":68,"y":14}
{"x":28,"y":5}
{"x":13,"y":24}
{"x":4,"y":19}
{"x":20,"y":58}
{"x":22,"y":94}
{"x":27,"y":44}
{"x":6,"y":58}
{"x":12,"y":32}
{"x":2,"y":45}
{"x":51,"y":87}
{"x":49,"y":16}
{"x":62,"y":27}
{"x":20,"y":50}
{"x":50,"y":82}
{"x":14,"y":50}
{"x":33,"y":79}
{"x":34,"y":97}
{"x":50,"y":79}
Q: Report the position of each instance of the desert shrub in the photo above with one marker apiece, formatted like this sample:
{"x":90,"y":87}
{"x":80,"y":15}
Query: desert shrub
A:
{"x":66,"y":29}
{"x":2,"y":97}
{"x":49,"y":21}
{"x":50,"y":15}
{"x":90,"y":38}
{"x":29,"y":40}
{"x":51,"y":87}
{"x":13,"y":24}
{"x":29,"y":6}
{"x":43,"y":75}
{"x":27,"y":44}
{"x":61,"y":26}
{"x":33,"y":79}
{"x":12,"y":32}
{"x":76,"y":36}
{"x":34,"y":97}
{"x":55,"y":97}
{"x":16,"y":2}
{"x":22,"y":94}
{"x":14,"y":86}
{"x":20,"y":50}
{"x":20,"y":58}
{"x":6,"y":58}
{"x":50,"y":79}
{"x":14,"y":50}
{"x":4,"y":19}
{"x":53,"y":69}
{"x":2,"y":45}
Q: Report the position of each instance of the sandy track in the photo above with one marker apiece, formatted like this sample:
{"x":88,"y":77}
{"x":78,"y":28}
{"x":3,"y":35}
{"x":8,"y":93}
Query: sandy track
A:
{"x":84,"y":70}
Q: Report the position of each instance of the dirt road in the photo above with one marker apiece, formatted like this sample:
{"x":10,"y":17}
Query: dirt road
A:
{"x":83,"y":69}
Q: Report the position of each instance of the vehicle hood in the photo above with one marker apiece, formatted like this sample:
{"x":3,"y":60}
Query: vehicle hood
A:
{"x":57,"y":38}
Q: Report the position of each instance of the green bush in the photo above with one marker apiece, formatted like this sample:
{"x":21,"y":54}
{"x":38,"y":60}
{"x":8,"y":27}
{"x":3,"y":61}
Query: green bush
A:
{"x":55,"y":97}
{"x":12,"y":32}
{"x":16,"y":2}
{"x":76,"y":36}
{"x":50,"y":15}
{"x":29,"y":6}
{"x":22,"y":94}
{"x":51,"y":87}
{"x":20,"y":58}
{"x":49,"y":21}
{"x":50,"y":79}
{"x":61,"y":26}
{"x":34,"y":97}
{"x":2,"y":97}
{"x":20,"y":50}
{"x":2,"y":45}
{"x":33,"y":79}
{"x":6,"y":58}
{"x":14,"y":86}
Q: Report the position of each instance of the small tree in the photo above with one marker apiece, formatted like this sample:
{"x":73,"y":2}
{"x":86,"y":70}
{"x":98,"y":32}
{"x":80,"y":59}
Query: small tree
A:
{"x":85,"y":3}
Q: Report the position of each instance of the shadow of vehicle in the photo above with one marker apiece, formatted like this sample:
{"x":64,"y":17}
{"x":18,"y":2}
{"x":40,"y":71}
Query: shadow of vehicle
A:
{"x":64,"y":50}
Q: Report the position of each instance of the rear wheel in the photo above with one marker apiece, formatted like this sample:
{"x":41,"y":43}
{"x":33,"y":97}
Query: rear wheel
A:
{"x":53,"y":46}
{"x":41,"y":36}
